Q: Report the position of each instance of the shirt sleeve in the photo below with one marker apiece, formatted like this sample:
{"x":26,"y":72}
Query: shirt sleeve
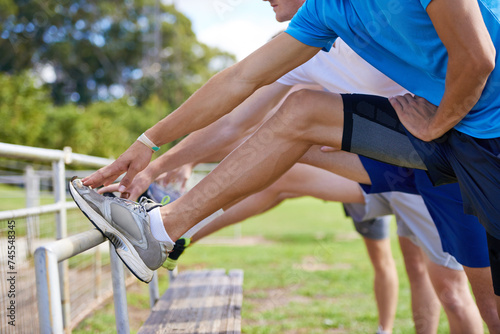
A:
{"x":309,"y":26}
{"x":425,"y":3}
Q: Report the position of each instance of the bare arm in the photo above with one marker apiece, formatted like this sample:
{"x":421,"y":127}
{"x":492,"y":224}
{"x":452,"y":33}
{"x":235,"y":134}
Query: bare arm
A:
{"x":217,"y":97}
{"x":213,"y":140}
{"x":471,"y":58}
{"x":211,"y":143}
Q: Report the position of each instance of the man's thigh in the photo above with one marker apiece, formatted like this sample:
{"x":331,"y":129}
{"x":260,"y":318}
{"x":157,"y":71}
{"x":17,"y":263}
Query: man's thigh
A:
{"x":372,"y":129}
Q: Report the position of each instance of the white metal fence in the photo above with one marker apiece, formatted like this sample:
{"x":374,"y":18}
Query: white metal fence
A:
{"x":73,"y":273}
{"x":25,"y":224}
{"x":35,"y":211}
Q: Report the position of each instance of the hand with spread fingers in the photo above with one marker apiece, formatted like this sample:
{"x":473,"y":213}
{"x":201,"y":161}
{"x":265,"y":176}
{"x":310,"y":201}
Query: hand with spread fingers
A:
{"x":417,"y":115}
{"x":131,"y":162}
{"x":138,"y":186}
{"x":178,"y":176}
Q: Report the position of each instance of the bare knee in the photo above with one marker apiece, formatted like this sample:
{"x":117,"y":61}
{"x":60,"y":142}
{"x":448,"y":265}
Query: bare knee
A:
{"x":451,"y":287}
{"x":295,"y":109}
{"x":454,"y":298}
{"x":305,"y":109}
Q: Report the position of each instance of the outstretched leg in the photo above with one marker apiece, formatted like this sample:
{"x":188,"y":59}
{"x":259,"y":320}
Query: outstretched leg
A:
{"x":263,"y":158}
{"x":300,"y":180}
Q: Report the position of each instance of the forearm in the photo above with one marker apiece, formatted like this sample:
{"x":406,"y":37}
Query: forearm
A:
{"x":226,"y":90}
{"x":215,"y":99}
{"x":465,"y":82}
{"x":205,"y":145}
{"x":174,"y":159}
{"x":218,"y":139}
{"x":471,"y":58}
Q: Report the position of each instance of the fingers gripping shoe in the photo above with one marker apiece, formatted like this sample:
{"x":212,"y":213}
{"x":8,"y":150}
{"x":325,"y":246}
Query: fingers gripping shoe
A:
{"x":179,"y":247}
{"x":126,"y":224}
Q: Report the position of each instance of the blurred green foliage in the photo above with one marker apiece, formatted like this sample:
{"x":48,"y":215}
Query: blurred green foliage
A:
{"x":95,"y":50}
{"x":103,"y":128}
{"x":23,"y":109}
{"x":114,"y":68}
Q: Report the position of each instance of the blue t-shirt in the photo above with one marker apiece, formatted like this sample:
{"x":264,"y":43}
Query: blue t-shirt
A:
{"x":399,"y":39}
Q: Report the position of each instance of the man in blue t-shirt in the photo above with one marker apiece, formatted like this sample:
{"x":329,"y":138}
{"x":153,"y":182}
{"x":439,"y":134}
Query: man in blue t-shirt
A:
{"x":442,"y":50}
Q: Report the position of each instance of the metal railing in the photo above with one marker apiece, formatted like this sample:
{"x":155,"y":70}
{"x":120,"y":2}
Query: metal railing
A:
{"x":53,"y":301}
{"x":47,"y":259}
{"x":60,"y":207}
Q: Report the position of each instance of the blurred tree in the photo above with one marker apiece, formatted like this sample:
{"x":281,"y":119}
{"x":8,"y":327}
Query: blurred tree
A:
{"x":89,"y":50}
{"x":7,"y":8}
{"x":23,"y":109}
{"x":103,"y":128}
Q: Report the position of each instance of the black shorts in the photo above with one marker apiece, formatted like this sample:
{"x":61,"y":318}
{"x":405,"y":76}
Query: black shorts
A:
{"x":372,"y":129}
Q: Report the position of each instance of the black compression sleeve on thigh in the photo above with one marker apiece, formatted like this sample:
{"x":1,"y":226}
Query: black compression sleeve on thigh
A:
{"x":494,"y":252}
{"x":372,"y":129}
{"x":347,"y":130}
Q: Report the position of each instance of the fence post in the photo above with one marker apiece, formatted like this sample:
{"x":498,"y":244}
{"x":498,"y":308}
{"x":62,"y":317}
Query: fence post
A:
{"x":48,"y":292}
{"x":119,"y":292}
{"x":32,"y":187}
{"x":97,"y":272}
{"x":59,"y":185}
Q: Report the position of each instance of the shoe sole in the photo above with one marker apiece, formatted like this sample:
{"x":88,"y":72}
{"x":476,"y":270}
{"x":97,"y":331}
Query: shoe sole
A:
{"x":124,"y":248}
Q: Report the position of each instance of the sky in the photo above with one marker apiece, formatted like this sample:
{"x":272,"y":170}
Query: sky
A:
{"x":237,"y":26}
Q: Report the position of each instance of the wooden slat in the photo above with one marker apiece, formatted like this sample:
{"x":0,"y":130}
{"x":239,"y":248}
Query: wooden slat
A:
{"x":204,"y":302}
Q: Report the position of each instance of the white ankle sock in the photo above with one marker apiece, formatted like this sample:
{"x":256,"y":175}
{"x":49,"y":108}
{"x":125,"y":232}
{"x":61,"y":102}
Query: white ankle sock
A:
{"x":157,"y":228}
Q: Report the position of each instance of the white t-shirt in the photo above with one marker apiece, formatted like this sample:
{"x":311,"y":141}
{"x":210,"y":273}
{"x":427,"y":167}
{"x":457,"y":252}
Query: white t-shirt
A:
{"x":341,"y":70}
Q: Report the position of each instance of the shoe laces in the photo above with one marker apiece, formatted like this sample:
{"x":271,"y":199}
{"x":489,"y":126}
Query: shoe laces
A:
{"x":147,"y":203}
{"x":131,"y":205}
{"x":165,"y":200}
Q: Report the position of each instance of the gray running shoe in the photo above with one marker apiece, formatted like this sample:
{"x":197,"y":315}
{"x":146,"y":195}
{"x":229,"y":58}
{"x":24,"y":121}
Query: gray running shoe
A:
{"x":126,"y":224}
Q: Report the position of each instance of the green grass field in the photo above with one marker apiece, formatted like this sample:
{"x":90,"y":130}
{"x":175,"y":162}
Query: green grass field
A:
{"x":307,"y":271}
{"x":13,"y":197}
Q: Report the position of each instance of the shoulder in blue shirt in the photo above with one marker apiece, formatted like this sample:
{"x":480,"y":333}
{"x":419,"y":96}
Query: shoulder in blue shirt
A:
{"x":399,"y":39}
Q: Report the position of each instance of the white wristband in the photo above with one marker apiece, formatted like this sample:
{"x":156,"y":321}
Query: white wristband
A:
{"x":146,"y":141}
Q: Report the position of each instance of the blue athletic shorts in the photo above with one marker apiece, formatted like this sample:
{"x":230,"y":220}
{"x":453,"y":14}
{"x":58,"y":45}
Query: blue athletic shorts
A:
{"x":386,"y":177}
{"x":456,"y":228}
{"x":475,"y":164}
{"x":461,"y":235}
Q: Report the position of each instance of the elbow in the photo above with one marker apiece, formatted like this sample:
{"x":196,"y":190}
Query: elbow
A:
{"x":243,"y":74}
{"x":488,"y":63}
{"x":475,"y":60}
{"x":483,"y":63}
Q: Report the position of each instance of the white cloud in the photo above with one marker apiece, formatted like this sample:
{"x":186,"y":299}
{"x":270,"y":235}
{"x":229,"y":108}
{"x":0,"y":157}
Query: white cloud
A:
{"x":241,"y":37}
{"x":238,"y":26}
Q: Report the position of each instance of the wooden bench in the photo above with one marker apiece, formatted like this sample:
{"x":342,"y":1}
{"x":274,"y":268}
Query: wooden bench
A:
{"x":205,"y":301}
